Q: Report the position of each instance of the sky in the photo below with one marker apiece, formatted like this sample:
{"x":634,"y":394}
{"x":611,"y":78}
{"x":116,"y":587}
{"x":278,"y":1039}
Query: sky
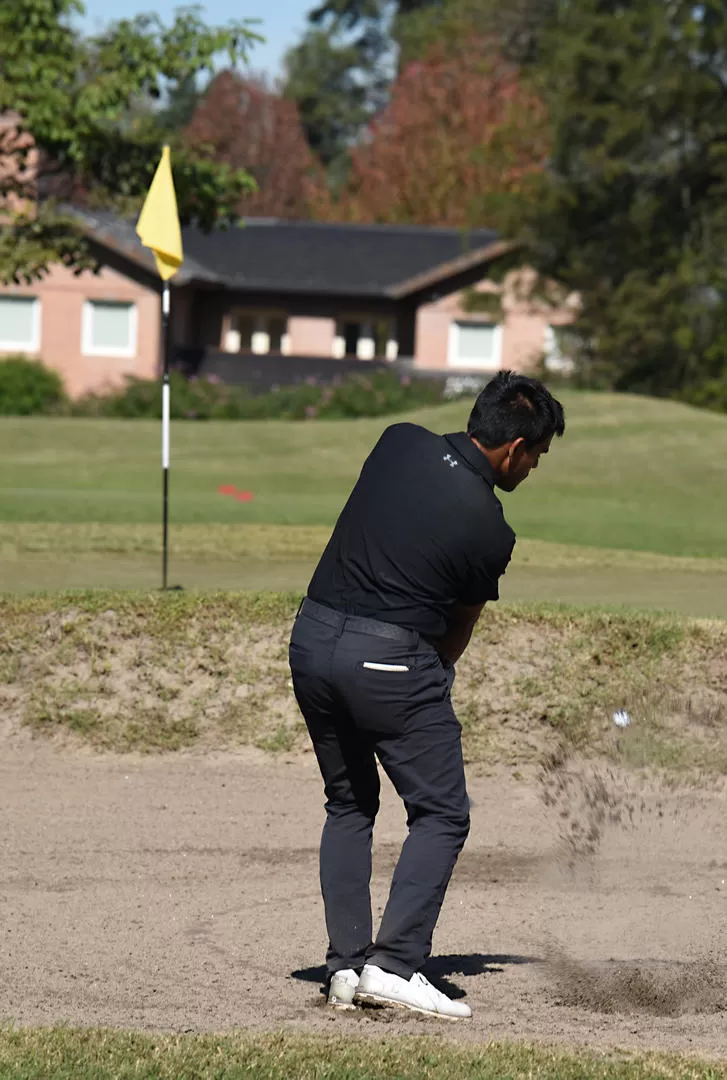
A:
{"x":282,"y":21}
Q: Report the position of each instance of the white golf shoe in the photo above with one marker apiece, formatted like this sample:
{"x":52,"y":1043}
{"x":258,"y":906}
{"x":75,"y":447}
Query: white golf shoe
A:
{"x":377,"y":987}
{"x":342,"y":988}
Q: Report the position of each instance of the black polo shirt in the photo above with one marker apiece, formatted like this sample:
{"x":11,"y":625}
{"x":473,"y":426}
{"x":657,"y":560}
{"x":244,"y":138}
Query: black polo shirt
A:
{"x":421,"y":531}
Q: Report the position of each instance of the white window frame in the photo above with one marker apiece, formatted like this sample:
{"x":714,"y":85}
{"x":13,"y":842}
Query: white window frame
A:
{"x":453,"y":360}
{"x":87,"y":346}
{"x":27,"y":346}
{"x":554,"y":360}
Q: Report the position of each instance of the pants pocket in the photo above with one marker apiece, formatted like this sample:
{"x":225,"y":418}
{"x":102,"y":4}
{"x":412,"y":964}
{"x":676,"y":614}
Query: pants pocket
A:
{"x":381,"y":696}
{"x":391,"y":693}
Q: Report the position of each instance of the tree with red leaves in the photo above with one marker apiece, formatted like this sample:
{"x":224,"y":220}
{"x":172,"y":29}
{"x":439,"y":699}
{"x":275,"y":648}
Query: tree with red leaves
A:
{"x":242,"y":123}
{"x":459,"y":131}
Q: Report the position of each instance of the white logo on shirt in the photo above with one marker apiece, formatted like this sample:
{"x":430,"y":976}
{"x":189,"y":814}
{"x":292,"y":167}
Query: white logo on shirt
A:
{"x":450,"y":460}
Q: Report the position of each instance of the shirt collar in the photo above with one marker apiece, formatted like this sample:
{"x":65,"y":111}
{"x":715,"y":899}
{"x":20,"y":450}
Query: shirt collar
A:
{"x":474,"y":457}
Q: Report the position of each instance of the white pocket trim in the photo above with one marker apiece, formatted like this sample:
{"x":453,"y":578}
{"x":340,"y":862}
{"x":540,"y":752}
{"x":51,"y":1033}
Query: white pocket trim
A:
{"x":384,"y":667}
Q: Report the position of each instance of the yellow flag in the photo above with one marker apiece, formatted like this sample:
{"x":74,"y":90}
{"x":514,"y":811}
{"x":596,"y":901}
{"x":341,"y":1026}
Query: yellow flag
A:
{"x":158,"y":224}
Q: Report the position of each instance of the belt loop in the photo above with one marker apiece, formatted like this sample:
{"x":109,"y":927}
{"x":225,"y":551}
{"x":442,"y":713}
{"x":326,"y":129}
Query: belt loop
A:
{"x":300,"y":605}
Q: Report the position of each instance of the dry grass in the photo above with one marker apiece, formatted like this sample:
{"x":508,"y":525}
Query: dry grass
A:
{"x":123,"y":671}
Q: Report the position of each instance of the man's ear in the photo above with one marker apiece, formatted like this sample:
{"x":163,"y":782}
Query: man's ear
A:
{"x":515,"y":449}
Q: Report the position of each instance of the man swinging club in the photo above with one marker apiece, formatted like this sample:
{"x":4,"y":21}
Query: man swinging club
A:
{"x":415,"y":555}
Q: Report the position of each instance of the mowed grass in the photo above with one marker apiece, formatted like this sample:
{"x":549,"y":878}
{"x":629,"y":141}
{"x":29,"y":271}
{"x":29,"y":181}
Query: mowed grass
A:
{"x":96,"y":1054}
{"x":632,"y":473}
{"x":626,"y":510}
{"x":37,"y":557}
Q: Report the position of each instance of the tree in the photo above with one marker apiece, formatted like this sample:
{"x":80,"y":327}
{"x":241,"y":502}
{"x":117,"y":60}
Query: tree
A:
{"x":339,"y":76}
{"x":75,"y":111}
{"x":455,"y":128}
{"x":631,"y":213}
{"x":517,"y":26}
{"x":181,"y":102}
{"x":244,"y":125}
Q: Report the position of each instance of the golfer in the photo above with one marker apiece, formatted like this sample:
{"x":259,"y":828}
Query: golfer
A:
{"x":416,"y":554}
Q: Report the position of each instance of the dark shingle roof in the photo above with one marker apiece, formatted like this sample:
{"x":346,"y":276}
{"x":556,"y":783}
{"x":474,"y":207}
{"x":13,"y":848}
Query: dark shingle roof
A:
{"x":312,"y":257}
{"x":303,"y":256}
{"x":120,"y":235}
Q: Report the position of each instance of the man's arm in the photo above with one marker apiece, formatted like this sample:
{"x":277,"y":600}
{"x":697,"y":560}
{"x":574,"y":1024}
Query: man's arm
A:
{"x":461,"y":624}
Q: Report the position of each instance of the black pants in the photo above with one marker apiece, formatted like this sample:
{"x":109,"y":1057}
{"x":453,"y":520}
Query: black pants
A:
{"x":369,"y":690}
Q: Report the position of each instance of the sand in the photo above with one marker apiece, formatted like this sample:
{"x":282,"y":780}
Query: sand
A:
{"x":180,"y":893}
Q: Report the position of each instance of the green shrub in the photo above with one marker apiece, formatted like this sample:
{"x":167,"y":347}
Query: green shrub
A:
{"x":708,"y":395}
{"x":374,"y":394}
{"x":27,"y":387}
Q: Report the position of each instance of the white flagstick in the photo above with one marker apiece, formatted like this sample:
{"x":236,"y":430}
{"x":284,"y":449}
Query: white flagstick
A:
{"x":165,"y":425}
{"x":165,"y":428}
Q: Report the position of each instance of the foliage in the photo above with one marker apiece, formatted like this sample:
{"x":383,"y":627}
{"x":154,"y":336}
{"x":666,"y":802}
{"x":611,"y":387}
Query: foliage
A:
{"x":180,"y":104}
{"x":631,"y":215}
{"x":76,"y":114}
{"x":517,"y":27}
{"x":242,"y":124}
{"x":711,"y":394}
{"x":476,"y":301}
{"x":376,"y":394}
{"x":28,"y":387}
{"x":342,"y":71}
{"x":338,"y":76}
{"x":456,"y":126}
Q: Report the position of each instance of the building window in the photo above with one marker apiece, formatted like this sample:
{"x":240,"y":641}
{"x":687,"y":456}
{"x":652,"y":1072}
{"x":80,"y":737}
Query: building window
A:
{"x":109,"y":328}
{"x":19,"y":323}
{"x":255,"y":332}
{"x":555,"y":349}
{"x":365,"y":339}
{"x":476,"y":345}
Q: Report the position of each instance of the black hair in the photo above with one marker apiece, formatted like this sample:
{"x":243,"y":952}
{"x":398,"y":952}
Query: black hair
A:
{"x":514,"y":406}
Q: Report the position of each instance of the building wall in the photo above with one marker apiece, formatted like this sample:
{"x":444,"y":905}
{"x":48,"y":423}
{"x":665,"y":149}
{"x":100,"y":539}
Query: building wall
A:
{"x":62,"y":295}
{"x":523,"y":329}
{"x":311,"y":336}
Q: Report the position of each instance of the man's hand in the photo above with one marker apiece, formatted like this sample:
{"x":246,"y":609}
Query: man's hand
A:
{"x":461,"y":624}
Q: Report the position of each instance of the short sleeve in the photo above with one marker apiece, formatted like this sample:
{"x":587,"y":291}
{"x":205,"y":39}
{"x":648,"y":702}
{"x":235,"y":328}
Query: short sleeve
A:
{"x":485,"y":565}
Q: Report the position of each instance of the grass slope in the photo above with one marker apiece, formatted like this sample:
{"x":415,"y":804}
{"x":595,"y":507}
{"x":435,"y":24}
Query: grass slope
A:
{"x":162,"y":672}
{"x":631,"y":473}
{"x":70,"y":1054}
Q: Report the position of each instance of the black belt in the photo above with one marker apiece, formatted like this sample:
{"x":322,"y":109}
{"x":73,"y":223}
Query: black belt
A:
{"x":359,"y":625}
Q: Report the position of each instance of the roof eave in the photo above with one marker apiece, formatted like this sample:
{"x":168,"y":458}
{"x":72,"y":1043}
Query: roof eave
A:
{"x":138,"y":257}
{"x":441,"y":273}
{"x":236,"y":285}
